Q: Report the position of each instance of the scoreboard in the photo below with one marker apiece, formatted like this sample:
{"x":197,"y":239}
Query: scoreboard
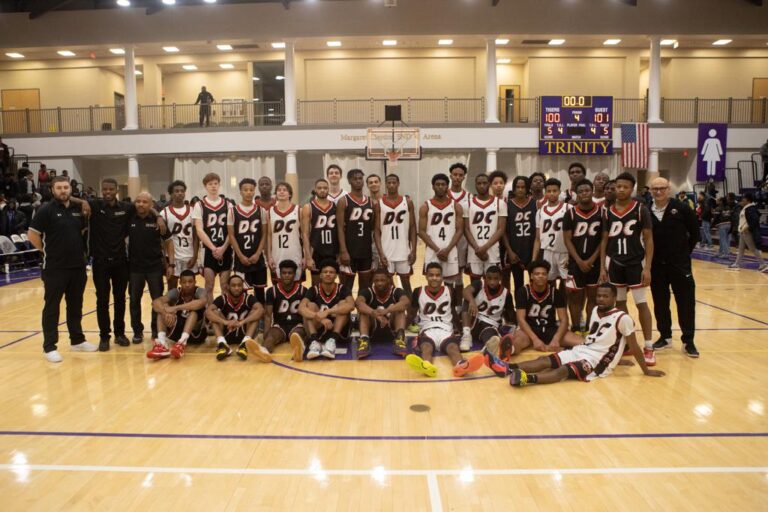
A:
{"x":576,"y":125}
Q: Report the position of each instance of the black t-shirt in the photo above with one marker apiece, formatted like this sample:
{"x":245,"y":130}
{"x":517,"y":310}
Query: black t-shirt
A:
{"x":145,"y":253}
{"x":625,"y":233}
{"x":540,"y":308}
{"x":285,"y":304}
{"x":61,"y":228}
{"x":586,"y":229}
{"x":317,"y":295}
{"x":108,"y":229}
{"x":376,"y":301}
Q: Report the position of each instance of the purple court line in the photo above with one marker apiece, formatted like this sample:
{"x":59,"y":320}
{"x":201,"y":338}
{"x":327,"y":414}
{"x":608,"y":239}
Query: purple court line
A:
{"x":37,"y":332}
{"x":638,"y":330}
{"x":385,"y":381}
{"x":501,"y":437}
{"x":732,"y":312}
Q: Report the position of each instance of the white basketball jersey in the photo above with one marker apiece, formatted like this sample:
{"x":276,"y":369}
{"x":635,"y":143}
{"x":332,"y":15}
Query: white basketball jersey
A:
{"x":460,"y":197}
{"x":489,"y":306}
{"x":180,"y":227}
{"x":441,"y":226}
{"x":606,"y":339}
{"x":549,"y":222}
{"x":599,"y":201}
{"x":483,"y":218}
{"x":394,"y":222}
{"x":286,"y":238}
{"x":435,"y":310}
{"x":335,"y":198}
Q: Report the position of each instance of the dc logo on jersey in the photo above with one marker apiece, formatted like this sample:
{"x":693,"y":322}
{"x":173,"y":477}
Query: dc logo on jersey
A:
{"x":523,"y":216}
{"x":619,"y":227}
{"x":492,"y":310}
{"x":216,"y":219}
{"x":441,"y":309}
{"x":286,"y":307}
{"x":441,"y":218}
{"x":392,"y":217}
{"x":540,"y":312}
{"x":548,"y":225}
{"x":583,"y":228}
{"x":484,"y":217}
{"x":281,"y":225}
{"x":248,"y":226}
{"x":361,"y":214}
{"x":325,"y":222}
{"x":186,"y":229}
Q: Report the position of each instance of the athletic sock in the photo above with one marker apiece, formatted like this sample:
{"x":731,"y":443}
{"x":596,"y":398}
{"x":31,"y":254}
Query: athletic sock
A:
{"x":183,"y":338}
{"x":466,"y":330}
{"x":533,"y":378}
{"x":161,"y":337}
{"x":513,"y":366}
{"x":221,"y":339}
{"x":245,"y":338}
{"x":649,"y":344}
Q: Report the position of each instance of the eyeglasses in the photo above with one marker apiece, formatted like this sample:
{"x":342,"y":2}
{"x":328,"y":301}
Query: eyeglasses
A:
{"x":659,"y":189}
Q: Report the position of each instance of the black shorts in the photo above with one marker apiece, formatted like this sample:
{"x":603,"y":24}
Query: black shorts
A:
{"x":481,"y":326}
{"x":218,"y":266}
{"x":198,"y":334}
{"x":623,"y":276}
{"x":254,"y":278}
{"x":287,"y":329}
{"x":345,"y":331}
{"x":357,"y":265}
{"x":578,"y":280}
{"x":545,"y":334}
{"x":383,"y":335}
{"x":321,"y":257}
{"x":578,"y":370}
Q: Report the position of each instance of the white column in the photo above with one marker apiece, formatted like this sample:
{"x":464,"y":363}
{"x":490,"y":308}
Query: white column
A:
{"x":131,"y":108}
{"x":654,"y":82}
{"x":290,"y":86}
{"x":490,"y":159}
{"x":291,"y":177}
{"x":134,"y":182}
{"x":653,"y":165}
{"x":491,"y":87}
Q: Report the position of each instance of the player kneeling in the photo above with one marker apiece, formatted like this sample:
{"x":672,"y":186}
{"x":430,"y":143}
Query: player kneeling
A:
{"x":610,"y":329}
{"x":488,"y":304}
{"x":326,"y":308}
{"x":433,"y":305}
{"x":235,"y":317}
{"x":382,"y":315}
{"x":181,"y":311}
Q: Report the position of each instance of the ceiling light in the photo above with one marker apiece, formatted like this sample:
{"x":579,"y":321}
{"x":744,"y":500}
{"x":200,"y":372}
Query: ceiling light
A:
{"x":255,"y":78}
{"x":124,"y":3}
{"x":445,"y":42}
{"x":389,"y":42}
{"x":15,"y":55}
{"x":210,"y":1}
{"x":190,"y":67}
{"x":278,"y":45}
{"x":334,"y":44}
{"x":138,"y":73}
{"x":611,"y":42}
{"x":503,"y":61}
{"x":279,"y":77}
{"x":502,"y":41}
{"x":227,"y":66}
{"x":224,"y":47}
{"x":722,"y":42}
{"x":556,"y":42}
{"x":170,"y":49}
{"x":66,"y":53}
{"x":117,"y":51}
{"x":668,"y":42}
{"x":169,"y":2}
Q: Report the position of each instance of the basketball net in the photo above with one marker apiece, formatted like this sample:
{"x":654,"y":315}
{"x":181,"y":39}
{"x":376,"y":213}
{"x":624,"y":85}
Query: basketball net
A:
{"x":393,"y":155}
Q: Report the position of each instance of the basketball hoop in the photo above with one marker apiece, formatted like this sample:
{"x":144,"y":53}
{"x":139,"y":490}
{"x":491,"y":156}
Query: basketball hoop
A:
{"x":392,"y":144}
{"x":393,"y":156}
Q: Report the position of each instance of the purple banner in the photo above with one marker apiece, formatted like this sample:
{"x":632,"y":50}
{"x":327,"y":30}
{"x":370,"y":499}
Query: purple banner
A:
{"x":710,"y":153}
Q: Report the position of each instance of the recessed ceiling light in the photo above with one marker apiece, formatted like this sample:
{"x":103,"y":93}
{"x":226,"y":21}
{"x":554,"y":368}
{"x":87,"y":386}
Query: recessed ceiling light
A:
{"x":502,"y":41}
{"x":668,"y":42}
{"x":611,"y":42}
{"x":389,"y":42}
{"x":556,"y":42}
{"x":124,"y":3}
{"x":210,"y":1}
{"x":66,"y":53}
{"x":224,"y":47}
{"x":334,"y":44}
{"x":722,"y":42}
{"x":170,"y":49}
{"x":227,"y":66}
{"x":255,"y":78}
{"x":190,"y":67}
{"x":169,"y":2}
{"x":138,"y":73}
{"x":279,"y":77}
{"x":278,"y":45}
{"x":445,"y":42}
{"x":117,"y":51}
{"x":15,"y":55}
{"x":503,"y":61}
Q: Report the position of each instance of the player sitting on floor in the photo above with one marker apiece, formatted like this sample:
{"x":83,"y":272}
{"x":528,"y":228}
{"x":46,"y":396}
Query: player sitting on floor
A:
{"x":326,"y":308}
{"x":610,"y":329}
{"x":182,"y":310}
{"x":235,"y":317}
{"x":433,"y":305}
{"x":382,"y":315}
{"x":488,"y":303}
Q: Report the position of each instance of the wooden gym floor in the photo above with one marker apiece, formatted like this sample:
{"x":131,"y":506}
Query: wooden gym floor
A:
{"x":116,"y":431}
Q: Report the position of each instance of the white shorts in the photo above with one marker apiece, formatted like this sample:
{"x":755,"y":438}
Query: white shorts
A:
{"x":399,"y":267}
{"x":592,"y":357}
{"x":439,"y":335}
{"x":180,"y":266}
{"x":559,"y":264}
{"x":478,"y":269}
{"x":450,"y":267}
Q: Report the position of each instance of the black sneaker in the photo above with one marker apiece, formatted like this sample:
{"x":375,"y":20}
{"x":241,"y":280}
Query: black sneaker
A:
{"x":518,"y":378}
{"x":104,"y":345}
{"x":122,"y":340}
{"x":137,"y":338}
{"x":662,"y":343}
{"x":689,"y":349}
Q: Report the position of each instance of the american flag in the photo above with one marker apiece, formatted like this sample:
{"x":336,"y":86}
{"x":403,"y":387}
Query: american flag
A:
{"x":634,"y":145}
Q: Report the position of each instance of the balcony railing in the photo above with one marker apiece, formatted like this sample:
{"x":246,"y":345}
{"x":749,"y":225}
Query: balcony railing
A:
{"x":370,"y":112}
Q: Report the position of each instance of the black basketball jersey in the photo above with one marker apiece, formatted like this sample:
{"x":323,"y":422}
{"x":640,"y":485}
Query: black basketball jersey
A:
{"x":235,"y":309}
{"x":248,"y":228}
{"x":324,"y":301}
{"x":586,"y":229}
{"x":285,"y":304}
{"x":625,"y":233}
{"x":323,"y":236}
{"x":540,"y":309}
{"x":376,"y":301}
{"x":215,"y":221}
{"x":521,"y":228}
{"x":359,"y":224}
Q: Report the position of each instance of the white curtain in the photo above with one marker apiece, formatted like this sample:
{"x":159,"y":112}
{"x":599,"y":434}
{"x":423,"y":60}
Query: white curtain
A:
{"x":231,"y":170}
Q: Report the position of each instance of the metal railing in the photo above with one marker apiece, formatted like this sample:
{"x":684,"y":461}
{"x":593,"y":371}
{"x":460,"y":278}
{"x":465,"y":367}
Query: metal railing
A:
{"x":724,"y":110}
{"x":371,"y":111}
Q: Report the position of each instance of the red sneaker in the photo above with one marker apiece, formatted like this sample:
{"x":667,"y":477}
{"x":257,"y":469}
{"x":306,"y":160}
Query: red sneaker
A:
{"x":159,"y":351}
{"x":650,"y":357}
{"x":178,"y":350}
{"x":466,"y":366}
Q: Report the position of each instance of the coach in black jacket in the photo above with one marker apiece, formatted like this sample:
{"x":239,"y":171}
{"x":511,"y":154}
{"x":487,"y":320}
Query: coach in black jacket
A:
{"x":675,"y":233}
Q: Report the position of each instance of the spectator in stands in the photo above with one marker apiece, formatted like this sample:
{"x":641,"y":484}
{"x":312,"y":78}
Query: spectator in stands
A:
{"x":13,"y":221}
{"x":26,"y":184}
{"x":683,"y":198}
{"x":645,"y":196}
{"x":75,"y":188}
{"x":764,"y":155}
{"x":42,"y":175}
{"x":5,"y":157}
{"x":161,"y":203}
{"x":704,"y":212}
{"x":204,"y":99}
{"x":711,"y":188}
{"x":749,"y":233}
{"x":722,"y":220}
{"x":65,"y":173}
{"x":26,"y":206}
{"x":9,"y":187}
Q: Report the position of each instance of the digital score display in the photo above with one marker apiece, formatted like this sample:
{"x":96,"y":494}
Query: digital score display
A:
{"x":576,"y":125}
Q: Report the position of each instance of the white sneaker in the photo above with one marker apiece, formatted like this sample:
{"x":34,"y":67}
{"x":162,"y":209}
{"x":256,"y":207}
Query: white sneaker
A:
{"x":84,"y":347}
{"x":329,"y":349}
{"x":466,"y":342}
{"x":314,"y":350}
{"x":53,"y":356}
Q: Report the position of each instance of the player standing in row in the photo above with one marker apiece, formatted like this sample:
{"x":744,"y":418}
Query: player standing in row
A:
{"x":521,"y":230}
{"x":499,"y":189}
{"x":537,"y":181}
{"x":318,"y":229}
{"x":457,"y":192}
{"x":576,"y":173}
{"x":282,"y":321}
{"x":354,"y":216}
{"x":582,"y":232}
{"x":441,"y":225}
{"x":600,"y":181}
{"x":333,"y":175}
{"x":549,"y":244}
{"x":284,"y":232}
{"x":489,"y":305}
{"x":382,"y":309}
{"x":485,"y":220}
{"x":245,"y":225}
{"x":626,"y":252}
{"x":265,"y":199}
{"x":210,"y":218}
{"x":182,"y":233}
{"x":235,"y":317}
{"x":373,"y":183}
{"x":395,"y":234}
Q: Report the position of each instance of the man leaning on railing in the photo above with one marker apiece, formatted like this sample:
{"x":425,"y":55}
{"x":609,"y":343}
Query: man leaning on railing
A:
{"x":205,"y":99}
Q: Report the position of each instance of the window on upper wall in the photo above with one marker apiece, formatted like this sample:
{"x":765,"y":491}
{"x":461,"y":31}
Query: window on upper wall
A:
{"x":268,"y":93}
